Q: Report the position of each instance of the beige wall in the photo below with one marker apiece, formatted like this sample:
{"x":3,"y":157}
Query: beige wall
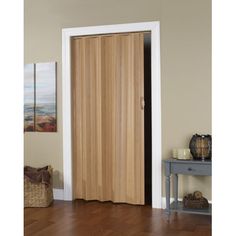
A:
{"x":185,"y":67}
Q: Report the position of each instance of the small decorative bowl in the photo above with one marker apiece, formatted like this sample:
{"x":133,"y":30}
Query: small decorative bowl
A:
{"x":181,"y":153}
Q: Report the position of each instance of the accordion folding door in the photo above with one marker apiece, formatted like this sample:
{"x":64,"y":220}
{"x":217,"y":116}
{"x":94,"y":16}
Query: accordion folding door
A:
{"x":108,"y":117}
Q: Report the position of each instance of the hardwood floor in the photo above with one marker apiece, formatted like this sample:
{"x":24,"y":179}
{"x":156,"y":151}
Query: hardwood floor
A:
{"x":108,"y":219}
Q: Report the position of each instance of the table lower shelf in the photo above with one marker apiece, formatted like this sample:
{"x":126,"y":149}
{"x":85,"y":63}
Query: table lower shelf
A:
{"x":179,"y":208}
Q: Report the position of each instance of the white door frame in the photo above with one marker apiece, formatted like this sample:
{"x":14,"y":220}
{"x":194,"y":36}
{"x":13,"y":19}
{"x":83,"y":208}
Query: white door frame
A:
{"x":154,"y":28}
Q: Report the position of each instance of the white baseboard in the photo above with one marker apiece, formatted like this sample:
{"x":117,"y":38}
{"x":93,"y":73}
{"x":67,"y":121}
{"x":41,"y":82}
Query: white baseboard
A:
{"x":58,"y":194}
{"x":163,"y":201}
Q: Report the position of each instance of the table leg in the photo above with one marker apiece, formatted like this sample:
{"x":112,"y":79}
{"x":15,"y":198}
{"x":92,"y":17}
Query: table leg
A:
{"x":176,"y":189}
{"x":168,"y":194}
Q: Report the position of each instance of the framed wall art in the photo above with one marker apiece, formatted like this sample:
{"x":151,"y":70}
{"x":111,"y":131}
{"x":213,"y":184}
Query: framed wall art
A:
{"x":40,"y":97}
{"x":29,"y":104}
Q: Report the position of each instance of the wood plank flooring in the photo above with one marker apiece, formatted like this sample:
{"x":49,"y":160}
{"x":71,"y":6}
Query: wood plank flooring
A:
{"x":94,"y":218}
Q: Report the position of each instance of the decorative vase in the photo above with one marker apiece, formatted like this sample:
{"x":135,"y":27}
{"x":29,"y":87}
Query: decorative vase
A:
{"x":200,"y":146}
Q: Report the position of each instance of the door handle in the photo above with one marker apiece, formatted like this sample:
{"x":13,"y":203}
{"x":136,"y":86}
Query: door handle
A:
{"x":142,"y":103}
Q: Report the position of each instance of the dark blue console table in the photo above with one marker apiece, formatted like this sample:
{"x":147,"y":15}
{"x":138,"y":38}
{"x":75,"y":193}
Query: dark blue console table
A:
{"x":186,"y":167}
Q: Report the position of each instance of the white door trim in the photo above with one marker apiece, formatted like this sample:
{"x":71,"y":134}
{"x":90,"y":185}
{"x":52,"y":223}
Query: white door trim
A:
{"x":154,"y":28}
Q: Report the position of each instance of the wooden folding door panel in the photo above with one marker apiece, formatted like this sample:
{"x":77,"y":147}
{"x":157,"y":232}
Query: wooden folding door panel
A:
{"x":86,"y":117}
{"x":108,"y":118}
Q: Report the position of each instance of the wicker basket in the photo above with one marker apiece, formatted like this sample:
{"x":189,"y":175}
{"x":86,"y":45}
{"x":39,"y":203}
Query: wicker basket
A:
{"x":201,"y":203}
{"x":38,"y":194}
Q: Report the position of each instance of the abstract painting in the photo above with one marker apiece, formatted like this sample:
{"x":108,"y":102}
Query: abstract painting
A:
{"x":29,"y":98}
{"x":45,"y":109}
{"x":40,"y":97}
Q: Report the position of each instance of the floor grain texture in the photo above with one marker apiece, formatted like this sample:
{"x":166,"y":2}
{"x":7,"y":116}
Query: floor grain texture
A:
{"x":94,"y":218}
